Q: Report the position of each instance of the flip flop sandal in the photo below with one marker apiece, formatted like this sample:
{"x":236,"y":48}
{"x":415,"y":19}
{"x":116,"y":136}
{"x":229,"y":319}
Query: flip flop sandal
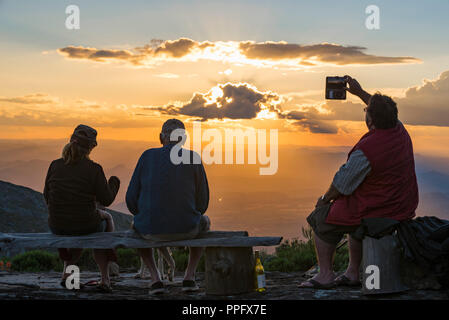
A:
{"x":62,"y":283}
{"x":157,"y":288}
{"x":346,"y":282}
{"x":102,"y":288}
{"x":189,"y":286}
{"x":317,"y":285}
{"x":92,"y":283}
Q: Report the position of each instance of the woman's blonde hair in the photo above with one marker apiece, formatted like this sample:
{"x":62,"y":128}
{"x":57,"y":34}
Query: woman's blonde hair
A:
{"x":72,"y":153}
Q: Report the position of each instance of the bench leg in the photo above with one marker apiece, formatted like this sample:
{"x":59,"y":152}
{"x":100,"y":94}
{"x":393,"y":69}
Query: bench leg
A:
{"x":229,"y":271}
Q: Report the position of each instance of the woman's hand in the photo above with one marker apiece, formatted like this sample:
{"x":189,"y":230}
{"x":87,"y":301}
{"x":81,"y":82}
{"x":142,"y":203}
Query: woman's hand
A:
{"x":104,"y":214}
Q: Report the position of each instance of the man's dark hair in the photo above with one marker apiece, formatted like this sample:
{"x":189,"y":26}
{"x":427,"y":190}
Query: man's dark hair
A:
{"x":383,"y":111}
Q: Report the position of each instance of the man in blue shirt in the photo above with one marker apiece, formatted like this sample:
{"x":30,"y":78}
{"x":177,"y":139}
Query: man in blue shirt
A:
{"x":169,"y":200}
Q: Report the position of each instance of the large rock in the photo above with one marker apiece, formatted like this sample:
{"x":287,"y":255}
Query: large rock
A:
{"x":24,"y":210}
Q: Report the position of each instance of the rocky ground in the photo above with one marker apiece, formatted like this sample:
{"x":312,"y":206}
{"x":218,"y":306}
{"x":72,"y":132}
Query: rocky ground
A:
{"x":14,"y":285}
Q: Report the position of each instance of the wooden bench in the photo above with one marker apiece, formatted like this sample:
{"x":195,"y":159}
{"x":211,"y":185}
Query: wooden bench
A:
{"x":229,"y":254}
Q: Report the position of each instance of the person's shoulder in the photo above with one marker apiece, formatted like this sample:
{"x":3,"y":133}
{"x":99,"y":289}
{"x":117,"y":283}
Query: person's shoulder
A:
{"x":148,"y":156}
{"x":150,"y":152}
{"x":92,"y":164}
{"x":56,"y":163}
{"x":401,"y":127}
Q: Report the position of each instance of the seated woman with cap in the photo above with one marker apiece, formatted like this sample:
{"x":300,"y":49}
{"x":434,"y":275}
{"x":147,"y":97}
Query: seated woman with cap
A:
{"x":75,"y":187}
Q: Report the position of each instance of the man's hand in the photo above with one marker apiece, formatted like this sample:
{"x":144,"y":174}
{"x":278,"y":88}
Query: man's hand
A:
{"x":329,"y":196}
{"x":354,"y":86}
{"x":356,"y":89}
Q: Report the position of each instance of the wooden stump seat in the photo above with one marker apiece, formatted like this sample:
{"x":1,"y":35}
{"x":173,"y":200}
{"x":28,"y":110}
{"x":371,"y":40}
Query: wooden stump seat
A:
{"x":383,"y":254}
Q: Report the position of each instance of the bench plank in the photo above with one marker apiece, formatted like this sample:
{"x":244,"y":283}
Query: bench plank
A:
{"x":122,"y":234}
{"x":130,"y":239}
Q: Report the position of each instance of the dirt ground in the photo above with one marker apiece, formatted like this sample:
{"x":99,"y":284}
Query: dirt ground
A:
{"x":17,"y":286}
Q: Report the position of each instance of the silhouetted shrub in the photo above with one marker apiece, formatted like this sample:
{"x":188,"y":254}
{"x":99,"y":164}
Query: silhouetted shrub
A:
{"x":128,"y":258}
{"x":290,"y":256}
{"x":298,"y":255}
{"x":35,"y":261}
{"x":181,"y":257}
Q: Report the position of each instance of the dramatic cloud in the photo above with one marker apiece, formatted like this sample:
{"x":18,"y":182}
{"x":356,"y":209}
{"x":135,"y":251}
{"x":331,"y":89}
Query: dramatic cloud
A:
{"x":304,"y":120}
{"x":427,"y":104}
{"x":317,"y":126}
{"x":149,"y":54}
{"x":329,"y":110}
{"x":314,"y":118}
{"x":312,"y":54}
{"x":262,"y":54}
{"x":243,"y":101}
{"x":232,"y":101}
{"x":173,"y":48}
{"x":101,"y":55}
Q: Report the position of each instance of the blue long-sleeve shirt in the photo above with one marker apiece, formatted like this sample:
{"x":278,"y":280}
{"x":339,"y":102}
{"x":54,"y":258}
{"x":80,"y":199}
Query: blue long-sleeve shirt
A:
{"x":166,"y":198}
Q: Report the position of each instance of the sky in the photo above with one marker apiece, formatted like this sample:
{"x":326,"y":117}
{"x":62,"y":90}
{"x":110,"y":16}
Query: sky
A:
{"x":129,"y":59}
{"x":229,"y":64}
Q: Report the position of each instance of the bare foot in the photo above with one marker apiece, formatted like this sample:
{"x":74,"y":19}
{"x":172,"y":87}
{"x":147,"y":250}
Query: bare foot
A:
{"x":319,"y":280}
{"x":352,"y":275}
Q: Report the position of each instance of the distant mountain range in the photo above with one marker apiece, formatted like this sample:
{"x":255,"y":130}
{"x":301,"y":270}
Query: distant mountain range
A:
{"x":433,"y":194}
{"x":433,"y":181}
{"x":24,"y":210}
{"x":240,"y":198}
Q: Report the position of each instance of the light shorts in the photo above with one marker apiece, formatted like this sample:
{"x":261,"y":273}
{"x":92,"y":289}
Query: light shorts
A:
{"x":202,"y":227}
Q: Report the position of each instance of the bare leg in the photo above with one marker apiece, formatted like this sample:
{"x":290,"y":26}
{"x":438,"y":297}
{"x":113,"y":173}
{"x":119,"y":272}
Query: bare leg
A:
{"x":355,"y":258}
{"x":76,"y":254}
{"x":325,"y":255}
{"x":160,"y":264}
{"x":148,"y":257}
{"x":142,"y":273}
{"x":110,"y":227}
{"x":166,"y":253}
{"x":101,"y":258}
{"x":194,"y":258}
